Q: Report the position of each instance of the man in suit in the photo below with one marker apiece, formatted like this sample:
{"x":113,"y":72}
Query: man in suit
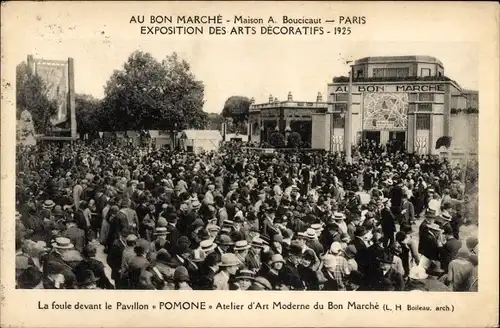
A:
{"x":430,"y":245}
{"x":407,"y":211}
{"x":387,"y":222}
{"x":228,"y":267}
{"x":75,"y":234}
{"x":387,"y":273}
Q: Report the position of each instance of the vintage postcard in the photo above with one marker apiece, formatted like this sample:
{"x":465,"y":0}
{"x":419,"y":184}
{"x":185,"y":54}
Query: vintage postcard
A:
{"x":249,"y":164}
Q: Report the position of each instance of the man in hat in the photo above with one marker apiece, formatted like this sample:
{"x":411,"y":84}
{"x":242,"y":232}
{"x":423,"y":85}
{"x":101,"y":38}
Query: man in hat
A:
{"x":115,"y":255}
{"x":361,"y":244}
{"x":430,"y":244}
{"x":387,"y":221}
{"x":289,"y":275}
{"x":59,"y":247}
{"x":407,"y":211}
{"x":97,"y":267}
{"x":75,"y":234}
{"x":228,"y":268}
{"x":128,"y":253}
{"x":86,"y":279}
{"x":387,"y":272}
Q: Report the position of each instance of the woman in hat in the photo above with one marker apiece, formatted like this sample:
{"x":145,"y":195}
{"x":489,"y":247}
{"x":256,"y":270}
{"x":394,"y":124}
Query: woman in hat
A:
{"x":307,"y":272}
{"x":243,"y":280}
{"x":240,"y":249}
{"x":181,"y":278}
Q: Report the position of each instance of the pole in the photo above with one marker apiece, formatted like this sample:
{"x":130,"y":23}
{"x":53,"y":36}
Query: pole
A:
{"x":331,"y":132}
{"x":348,"y":121}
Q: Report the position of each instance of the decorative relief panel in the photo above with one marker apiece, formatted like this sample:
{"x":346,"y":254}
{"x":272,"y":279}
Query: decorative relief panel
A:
{"x":385,"y":111}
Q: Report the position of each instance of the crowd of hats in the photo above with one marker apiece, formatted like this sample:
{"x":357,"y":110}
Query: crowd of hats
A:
{"x":303,"y":195}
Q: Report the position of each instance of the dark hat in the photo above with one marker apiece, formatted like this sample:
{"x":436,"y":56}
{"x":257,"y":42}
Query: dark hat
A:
{"x":163,"y":256}
{"x":360,"y":231}
{"x":386,"y":258}
{"x":430,"y":213}
{"x":225,"y":240}
{"x":181,"y":274}
{"x":245,"y":274}
{"x":29,"y":278}
{"x":471,"y":242}
{"x":85,"y":278}
{"x":183,"y":244}
{"x":295,"y":248}
{"x":350,"y":251}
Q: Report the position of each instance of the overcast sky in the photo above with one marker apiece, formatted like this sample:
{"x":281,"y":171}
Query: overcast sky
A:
{"x":252,"y":66}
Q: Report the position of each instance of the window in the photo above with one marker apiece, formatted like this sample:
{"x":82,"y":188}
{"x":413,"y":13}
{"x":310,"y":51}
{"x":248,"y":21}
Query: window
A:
{"x":425,"y":107}
{"x":391,"y":72}
{"x":359,"y":73}
{"x":340,"y":107}
{"x":378,"y":72}
{"x":338,"y":122}
{"x":412,"y":108}
{"x":403,"y":72}
{"x":413,"y":96}
{"x":342,"y":97}
{"x":423,"y":122}
{"x":426,"y":97}
{"x":425,"y":71}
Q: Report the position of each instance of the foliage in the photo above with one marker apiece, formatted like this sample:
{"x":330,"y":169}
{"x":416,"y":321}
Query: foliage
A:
{"x":31,"y":95}
{"x":148,"y":94}
{"x":277,"y":140}
{"x":88,"y":114}
{"x":215,"y":121}
{"x":294,"y":140}
{"x":237,"y":108}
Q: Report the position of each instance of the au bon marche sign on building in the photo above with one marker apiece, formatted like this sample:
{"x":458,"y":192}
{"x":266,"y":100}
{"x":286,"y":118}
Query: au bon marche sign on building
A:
{"x":390,"y":88}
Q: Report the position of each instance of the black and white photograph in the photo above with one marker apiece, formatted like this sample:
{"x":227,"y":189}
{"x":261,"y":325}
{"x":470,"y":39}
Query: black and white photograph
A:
{"x":174,"y":155}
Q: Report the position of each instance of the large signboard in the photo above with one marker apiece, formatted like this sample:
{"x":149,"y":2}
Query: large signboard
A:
{"x":385,"y":111}
{"x":55,"y":75}
{"x":431,"y":87}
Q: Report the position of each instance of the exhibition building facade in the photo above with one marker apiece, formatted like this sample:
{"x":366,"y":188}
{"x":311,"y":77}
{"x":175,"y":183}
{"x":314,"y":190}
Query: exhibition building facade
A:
{"x":403,"y":98}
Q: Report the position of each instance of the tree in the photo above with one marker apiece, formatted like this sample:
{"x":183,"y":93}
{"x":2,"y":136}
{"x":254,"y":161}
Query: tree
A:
{"x":277,"y":140}
{"x":88,"y":115}
{"x":148,"y":94}
{"x":31,"y":95}
{"x":237,"y":108}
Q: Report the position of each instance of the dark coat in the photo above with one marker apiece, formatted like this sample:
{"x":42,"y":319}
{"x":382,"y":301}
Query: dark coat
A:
{"x":362,"y":255}
{"x":391,"y":275}
{"x":289,"y":276}
{"x":387,"y":222}
{"x":428,"y":246}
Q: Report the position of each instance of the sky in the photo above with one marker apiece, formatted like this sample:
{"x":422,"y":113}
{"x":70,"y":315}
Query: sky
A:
{"x":251,"y":66}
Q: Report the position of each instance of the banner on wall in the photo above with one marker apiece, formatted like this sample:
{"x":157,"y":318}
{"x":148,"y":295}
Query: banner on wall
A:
{"x":385,"y":111}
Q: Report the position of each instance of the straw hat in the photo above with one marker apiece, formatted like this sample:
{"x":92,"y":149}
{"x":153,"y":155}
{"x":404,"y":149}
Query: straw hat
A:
{"x":228,"y":260}
{"x":48,"y":204}
{"x":161,"y":231}
{"x":241,"y":245}
{"x":62,"y":243}
{"x":208,"y":245}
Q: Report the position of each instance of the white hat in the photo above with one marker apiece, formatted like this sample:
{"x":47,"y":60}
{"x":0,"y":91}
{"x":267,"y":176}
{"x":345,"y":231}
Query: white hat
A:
{"x":338,"y":216}
{"x":208,"y":245}
{"x":417,"y":273}
{"x":336,"y":247}
{"x":62,"y":243}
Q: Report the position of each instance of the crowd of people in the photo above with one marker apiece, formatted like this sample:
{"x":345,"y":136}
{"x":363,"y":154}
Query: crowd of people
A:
{"x":239,"y":219}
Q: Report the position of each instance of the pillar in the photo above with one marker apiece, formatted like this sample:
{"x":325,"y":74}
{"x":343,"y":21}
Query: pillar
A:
{"x":71,"y":94}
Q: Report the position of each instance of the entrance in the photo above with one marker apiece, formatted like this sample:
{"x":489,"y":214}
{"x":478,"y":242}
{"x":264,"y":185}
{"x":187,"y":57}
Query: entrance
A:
{"x":372,"y":136}
{"x":397,"y":140}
